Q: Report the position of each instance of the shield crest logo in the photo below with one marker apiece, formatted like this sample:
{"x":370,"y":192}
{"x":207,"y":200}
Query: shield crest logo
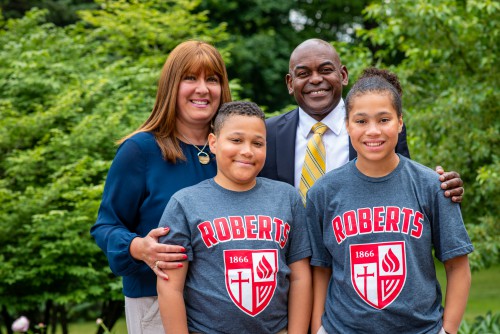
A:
{"x":378,"y":271}
{"x":251,"y":278}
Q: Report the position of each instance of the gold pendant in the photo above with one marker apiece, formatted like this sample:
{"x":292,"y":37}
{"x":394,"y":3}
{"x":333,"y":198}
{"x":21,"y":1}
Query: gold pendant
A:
{"x":203,"y":158}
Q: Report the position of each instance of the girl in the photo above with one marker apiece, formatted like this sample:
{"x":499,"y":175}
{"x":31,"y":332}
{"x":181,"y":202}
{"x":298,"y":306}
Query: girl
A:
{"x":373,"y":225}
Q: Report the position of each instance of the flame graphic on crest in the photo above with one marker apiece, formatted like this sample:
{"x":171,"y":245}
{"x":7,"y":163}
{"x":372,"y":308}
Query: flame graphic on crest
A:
{"x":390,"y":263}
{"x":264,"y":268}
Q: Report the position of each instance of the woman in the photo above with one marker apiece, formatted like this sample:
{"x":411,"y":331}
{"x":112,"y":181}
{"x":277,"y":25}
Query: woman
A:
{"x":165,"y":154}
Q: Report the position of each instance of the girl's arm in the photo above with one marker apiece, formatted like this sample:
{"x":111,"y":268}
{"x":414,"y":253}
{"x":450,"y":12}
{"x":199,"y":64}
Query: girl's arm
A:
{"x":299,"y":297}
{"x":321,"y":277}
{"x":457,"y":291}
{"x":171,"y":301}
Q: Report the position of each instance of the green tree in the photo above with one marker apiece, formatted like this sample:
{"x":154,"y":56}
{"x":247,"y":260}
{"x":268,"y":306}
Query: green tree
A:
{"x":68,"y":93}
{"x":60,"y":12}
{"x":263,"y":38}
{"x":449,"y":67}
{"x":264,"y":33}
{"x":329,"y":20}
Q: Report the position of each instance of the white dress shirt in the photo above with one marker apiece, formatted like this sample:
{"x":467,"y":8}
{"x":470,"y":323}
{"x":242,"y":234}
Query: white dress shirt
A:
{"x":335,"y":139}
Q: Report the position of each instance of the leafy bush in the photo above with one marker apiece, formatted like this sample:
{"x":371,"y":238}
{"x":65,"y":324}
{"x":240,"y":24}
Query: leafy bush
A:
{"x":445,"y":52}
{"x":488,"y":324}
{"x":68,"y":93}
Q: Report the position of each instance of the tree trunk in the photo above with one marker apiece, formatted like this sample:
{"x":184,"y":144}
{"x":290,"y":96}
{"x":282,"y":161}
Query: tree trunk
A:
{"x":112,"y":310}
{"x":63,"y":317}
{"x":46,"y":314}
{"x":7,"y":319}
{"x":53,"y":320}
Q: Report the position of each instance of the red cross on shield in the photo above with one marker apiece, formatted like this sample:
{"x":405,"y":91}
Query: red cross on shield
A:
{"x":251,"y":278}
{"x":378,"y":271}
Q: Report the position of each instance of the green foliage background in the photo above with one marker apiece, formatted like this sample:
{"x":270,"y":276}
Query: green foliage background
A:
{"x":69,"y":91}
{"x":450,"y":59}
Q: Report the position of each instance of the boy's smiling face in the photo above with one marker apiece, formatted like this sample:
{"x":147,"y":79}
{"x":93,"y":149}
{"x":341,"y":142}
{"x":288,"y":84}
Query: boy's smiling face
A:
{"x":240,"y":150}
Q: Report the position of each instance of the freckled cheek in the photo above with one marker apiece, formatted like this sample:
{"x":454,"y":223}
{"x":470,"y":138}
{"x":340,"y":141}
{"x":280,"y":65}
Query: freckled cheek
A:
{"x":354,"y":132}
{"x":217,"y":93}
{"x":394,"y":133}
{"x":263,"y":156}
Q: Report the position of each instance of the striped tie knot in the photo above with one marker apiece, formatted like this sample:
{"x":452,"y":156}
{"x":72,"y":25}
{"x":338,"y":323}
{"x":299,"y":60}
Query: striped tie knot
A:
{"x":319,"y":128}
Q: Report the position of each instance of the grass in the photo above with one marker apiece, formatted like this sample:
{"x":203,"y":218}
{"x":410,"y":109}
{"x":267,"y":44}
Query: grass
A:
{"x":91,"y":328}
{"x":484,"y":293}
{"x":484,"y":296}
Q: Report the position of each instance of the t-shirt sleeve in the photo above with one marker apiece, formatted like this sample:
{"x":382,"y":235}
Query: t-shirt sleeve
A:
{"x":449,"y":236}
{"x":174,"y":217}
{"x":300,"y":247}
{"x":122,"y":197}
{"x":321,"y":257}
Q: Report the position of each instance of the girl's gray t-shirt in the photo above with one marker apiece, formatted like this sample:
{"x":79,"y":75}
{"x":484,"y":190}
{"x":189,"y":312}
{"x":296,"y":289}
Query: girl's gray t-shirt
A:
{"x":378,"y":237}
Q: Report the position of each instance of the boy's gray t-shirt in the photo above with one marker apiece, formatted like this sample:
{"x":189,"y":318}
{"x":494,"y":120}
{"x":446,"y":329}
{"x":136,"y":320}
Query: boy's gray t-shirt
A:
{"x":240,"y":246}
{"x":377,"y":236}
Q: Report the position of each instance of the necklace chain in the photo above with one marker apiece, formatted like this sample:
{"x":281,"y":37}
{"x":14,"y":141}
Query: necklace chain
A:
{"x":203,"y":156}
{"x":189,"y":141}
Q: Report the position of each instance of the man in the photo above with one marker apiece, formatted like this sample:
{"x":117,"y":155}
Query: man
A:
{"x":315,"y":79}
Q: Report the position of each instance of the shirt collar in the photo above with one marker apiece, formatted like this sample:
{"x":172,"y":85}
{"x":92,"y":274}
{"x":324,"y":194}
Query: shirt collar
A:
{"x":334,"y":120}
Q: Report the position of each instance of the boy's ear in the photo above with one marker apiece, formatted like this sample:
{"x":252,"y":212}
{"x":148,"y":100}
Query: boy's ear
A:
{"x":212,"y":142}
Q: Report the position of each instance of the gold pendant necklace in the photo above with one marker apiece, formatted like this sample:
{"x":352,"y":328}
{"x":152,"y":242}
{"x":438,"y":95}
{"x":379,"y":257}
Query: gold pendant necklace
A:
{"x":203,"y":156}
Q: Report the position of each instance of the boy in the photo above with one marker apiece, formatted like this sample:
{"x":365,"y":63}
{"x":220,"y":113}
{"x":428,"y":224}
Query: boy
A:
{"x":245,"y":238}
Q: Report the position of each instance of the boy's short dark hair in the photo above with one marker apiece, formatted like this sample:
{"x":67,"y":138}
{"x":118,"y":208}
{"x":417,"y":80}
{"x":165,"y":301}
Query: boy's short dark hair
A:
{"x":239,"y":108}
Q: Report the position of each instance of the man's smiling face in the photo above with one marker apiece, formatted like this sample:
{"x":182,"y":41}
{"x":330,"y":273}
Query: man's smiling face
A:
{"x":316,"y":78}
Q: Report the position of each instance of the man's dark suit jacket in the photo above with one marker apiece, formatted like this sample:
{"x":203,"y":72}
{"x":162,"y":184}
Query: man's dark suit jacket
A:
{"x":280,"y":159}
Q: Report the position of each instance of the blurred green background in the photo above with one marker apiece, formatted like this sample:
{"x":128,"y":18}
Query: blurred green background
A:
{"x":75,"y":76}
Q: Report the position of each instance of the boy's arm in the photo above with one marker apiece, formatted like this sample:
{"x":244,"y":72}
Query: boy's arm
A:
{"x":299,"y":297}
{"x":171,"y":301}
{"x":321,"y":277}
{"x":458,"y":279}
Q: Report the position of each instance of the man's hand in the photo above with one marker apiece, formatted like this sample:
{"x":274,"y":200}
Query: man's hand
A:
{"x":452,"y":184}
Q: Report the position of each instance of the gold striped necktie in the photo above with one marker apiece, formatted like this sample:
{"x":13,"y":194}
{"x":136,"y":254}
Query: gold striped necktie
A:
{"x":314,"y":161}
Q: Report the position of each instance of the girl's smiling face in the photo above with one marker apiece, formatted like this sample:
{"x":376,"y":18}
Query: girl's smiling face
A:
{"x":374,"y":125}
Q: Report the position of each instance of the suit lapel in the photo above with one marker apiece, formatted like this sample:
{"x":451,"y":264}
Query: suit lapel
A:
{"x":352,"y":152}
{"x":287,"y":132}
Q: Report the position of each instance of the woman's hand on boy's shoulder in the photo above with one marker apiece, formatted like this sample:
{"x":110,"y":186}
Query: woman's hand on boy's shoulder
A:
{"x":159,"y":257}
